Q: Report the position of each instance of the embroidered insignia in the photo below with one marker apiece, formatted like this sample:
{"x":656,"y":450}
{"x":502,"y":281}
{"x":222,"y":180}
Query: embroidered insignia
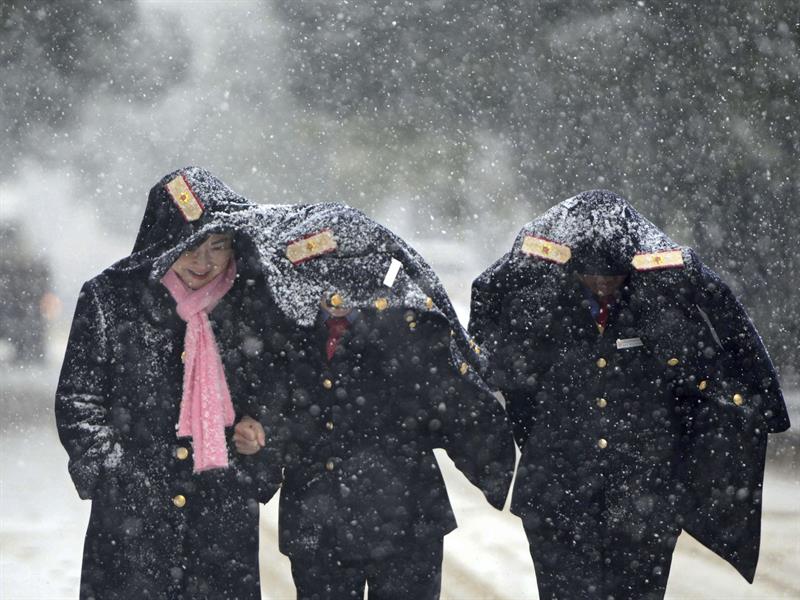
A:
{"x":336,"y":300}
{"x":668,"y":259}
{"x":382,"y":303}
{"x":463,"y":368}
{"x":391,"y":274}
{"x":311,"y":246}
{"x":542,"y":248}
{"x":190,"y":206}
{"x":626,"y":343}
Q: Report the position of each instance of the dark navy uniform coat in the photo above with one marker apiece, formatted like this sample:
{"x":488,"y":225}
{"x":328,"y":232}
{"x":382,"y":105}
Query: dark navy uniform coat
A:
{"x":157,"y":530}
{"x":629,"y":435}
{"x":361,"y":481}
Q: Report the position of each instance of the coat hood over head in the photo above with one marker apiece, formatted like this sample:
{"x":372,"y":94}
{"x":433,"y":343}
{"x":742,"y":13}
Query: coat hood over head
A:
{"x":600,"y":230}
{"x":182,"y":208}
{"x":672,"y":285}
{"x":307,"y":251}
{"x":700,"y":340}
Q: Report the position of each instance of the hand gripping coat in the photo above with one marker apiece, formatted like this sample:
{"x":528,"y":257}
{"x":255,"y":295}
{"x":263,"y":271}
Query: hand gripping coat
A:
{"x":158,"y":530}
{"x":629,"y":434}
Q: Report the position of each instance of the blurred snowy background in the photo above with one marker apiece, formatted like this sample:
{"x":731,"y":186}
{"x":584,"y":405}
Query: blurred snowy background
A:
{"x":452,"y":122}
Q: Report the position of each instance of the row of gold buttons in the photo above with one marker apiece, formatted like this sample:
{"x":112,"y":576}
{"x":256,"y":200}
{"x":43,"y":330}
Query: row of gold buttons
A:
{"x":602,"y":363}
{"x":181,"y":453}
{"x":328,"y":384}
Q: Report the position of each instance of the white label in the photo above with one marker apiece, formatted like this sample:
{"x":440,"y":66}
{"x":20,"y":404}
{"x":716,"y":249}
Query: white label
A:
{"x":629,"y":343}
{"x":391,"y":274}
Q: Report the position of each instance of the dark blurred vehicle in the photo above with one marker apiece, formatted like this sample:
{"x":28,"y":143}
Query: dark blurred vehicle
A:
{"x":25,"y":298}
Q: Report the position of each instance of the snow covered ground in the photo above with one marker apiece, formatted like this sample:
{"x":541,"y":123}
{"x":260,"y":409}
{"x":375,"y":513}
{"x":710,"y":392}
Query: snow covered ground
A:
{"x":42,"y":524}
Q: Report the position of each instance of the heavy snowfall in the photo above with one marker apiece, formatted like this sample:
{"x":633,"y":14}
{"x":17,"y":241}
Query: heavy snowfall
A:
{"x":453,"y":124}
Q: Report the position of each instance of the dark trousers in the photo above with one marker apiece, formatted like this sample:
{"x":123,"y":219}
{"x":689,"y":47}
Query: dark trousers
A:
{"x":595,"y":565}
{"x":413,"y":574}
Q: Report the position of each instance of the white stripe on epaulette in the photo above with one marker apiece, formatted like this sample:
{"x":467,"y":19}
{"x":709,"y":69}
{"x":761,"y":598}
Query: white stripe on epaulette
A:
{"x":391,"y":274}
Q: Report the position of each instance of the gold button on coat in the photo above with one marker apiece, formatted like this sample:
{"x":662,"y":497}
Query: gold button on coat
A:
{"x":602,"y":443}
{"x":602,"y":403}
{"x":381,"y":304}
{"x":602,"y":363}
{"x":329,"y":465}
{"x":673,"y":362}
{"x":702,"y":385}
{"x":182,"y":453}
{"x":179,"y":501}
{"x":327,"y":384}
{"x":329,"y":425}
{"x":183,"y":356}
{"x":738,"y":399}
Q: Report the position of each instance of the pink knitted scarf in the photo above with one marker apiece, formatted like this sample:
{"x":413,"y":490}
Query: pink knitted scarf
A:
{"x":206,"y":407}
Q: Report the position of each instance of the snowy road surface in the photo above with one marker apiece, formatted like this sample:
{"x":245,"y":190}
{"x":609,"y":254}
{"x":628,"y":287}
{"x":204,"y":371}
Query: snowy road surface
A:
{"x":43,"y":522}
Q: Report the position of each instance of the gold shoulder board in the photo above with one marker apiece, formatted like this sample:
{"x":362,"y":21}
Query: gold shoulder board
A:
{"x":542,"y":248}
{"x":191,"y":208}
{"x":667,"y":259}
{"x":311,"y":246}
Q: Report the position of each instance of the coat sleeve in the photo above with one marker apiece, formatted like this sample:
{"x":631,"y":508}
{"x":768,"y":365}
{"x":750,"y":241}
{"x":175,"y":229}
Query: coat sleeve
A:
{"x":745,"y":365}
{"x":475,"y":430}
{"x":730,"y":405}
{"x":265,"y":399}
{"x":722,"y":468}
{"x":83,"y":403}
{"x":515,"y":362}
{"x":485,"y":305}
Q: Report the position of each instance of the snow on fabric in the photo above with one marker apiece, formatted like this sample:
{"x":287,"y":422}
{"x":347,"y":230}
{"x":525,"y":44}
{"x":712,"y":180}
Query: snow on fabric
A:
{"x":356,"y":269}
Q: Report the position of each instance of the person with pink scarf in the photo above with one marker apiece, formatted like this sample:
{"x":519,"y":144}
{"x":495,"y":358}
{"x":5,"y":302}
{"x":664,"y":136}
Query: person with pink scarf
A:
{"x":168,"y":348}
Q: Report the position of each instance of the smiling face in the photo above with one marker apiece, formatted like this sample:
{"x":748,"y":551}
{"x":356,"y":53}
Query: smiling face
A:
{"x":201,"y":265}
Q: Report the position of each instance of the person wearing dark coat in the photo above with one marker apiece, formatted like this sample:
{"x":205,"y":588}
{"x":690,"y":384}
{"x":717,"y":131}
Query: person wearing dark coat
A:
{"x":381,"y":375}
{"x":363,"y":500}
{"x":174,"y":513}
{"x":640,"y":395}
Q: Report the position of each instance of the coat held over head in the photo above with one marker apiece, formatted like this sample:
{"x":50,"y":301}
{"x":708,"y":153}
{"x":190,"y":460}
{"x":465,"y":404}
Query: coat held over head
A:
{"x":672,"y":402}
{"x":157,"y":529}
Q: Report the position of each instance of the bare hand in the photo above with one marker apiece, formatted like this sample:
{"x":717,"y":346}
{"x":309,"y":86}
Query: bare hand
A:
{"x":248,"y":436}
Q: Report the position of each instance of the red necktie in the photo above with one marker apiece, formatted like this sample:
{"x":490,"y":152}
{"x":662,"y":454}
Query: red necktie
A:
{"x":336,"y":328}
{"x":602,"y":315}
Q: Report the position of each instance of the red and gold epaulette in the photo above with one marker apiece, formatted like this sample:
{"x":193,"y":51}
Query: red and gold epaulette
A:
{"x":190,"y":206}
{"x":666,"y":259}
{"x":311,"y":246}
{"x":546,"y":249}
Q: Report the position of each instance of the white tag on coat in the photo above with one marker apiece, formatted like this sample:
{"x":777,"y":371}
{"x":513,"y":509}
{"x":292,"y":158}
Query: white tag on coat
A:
{"x":626,"y":343}
{"x":391,"y":274}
